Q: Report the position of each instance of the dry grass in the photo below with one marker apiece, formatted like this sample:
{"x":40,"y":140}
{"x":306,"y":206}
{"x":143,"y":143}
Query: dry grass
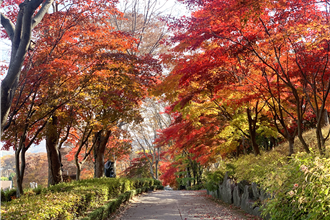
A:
{"x":310,"y":139}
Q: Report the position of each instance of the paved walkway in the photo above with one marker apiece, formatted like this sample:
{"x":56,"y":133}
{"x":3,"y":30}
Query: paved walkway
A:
{"x":179,"y":205}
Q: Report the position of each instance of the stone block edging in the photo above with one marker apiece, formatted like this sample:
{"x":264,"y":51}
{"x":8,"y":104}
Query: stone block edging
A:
{"x":246,"y":196}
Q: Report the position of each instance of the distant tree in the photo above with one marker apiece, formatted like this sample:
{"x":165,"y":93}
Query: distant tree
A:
{"x":145,"y":133}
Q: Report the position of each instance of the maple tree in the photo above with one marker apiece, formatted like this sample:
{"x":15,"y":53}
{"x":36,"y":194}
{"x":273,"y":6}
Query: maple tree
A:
{"x":78,"y":59}
{"x":249,"y":67}
{"x":28,"y":15}
{"x":243,"y":47}
{"x":119,"y":102}
{"x":27,"y":120}
{"x":40,"y":81}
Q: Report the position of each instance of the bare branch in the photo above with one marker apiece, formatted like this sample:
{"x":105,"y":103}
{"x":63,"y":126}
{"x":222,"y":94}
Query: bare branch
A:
{"x":41,"y":13}
{"x":8,"y":25}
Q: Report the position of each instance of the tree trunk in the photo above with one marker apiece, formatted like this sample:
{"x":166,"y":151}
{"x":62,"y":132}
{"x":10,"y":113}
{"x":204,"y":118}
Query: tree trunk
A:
{"x":114,"y":167}
{"x":114,"y":164}
{"x":19,"y":190}
{"x":194,"y":168}
{"x":20,"y":166}
{"x":20,"y":169}
{"x":291,"y":146}
{"x":302,"y":140}
{"x":189,"y":176}
{"x":299,"y":112}
{"x":84,"y":140}
{"x":320,"y":140}
{"x":243,"y":142}
{"x":151,"y":170}
{"x":78,"y":170}
{"x":20,"y":38}
{"x":272,"y":143}
{"x":157,"y":162}
{"x":300,"y":132}
{"x":322,"y":120}
{"x":252,"y":131}
{"x":102,"y":138}
{"x":53,"y":153}
{"x":7,"y":95}
{"x":20,"y":151}
{"x":237,"y":150}
{"x":23,"y":165}
{"x":156,"y":168}
{"x":200,"y":173}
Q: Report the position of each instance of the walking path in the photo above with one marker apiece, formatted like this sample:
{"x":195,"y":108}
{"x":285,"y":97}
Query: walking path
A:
{"x":179,"y":205}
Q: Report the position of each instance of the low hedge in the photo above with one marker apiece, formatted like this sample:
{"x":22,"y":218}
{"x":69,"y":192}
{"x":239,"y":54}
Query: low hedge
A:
{"x":110,"y":207}
{"x":71,"y":200}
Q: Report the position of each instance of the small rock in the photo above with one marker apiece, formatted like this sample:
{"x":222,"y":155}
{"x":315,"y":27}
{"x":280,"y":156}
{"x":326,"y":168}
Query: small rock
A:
{"x":241,"y":185}
{"x":255,"y":191}
{"x":237,"y":197}
{"x":256,"y":211}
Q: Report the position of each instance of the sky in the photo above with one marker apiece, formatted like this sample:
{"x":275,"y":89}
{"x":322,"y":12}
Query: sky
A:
{"x":4,"y":50}
{"x":171,"y":7}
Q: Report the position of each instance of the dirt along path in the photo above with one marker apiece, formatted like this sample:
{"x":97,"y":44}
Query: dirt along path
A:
{"x":179,"y":205}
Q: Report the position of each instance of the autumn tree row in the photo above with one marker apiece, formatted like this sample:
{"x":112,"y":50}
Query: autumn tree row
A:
{"x":243,"y":71}
{"x":83,"y":77}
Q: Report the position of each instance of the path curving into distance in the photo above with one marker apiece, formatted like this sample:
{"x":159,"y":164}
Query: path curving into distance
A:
{"x":179,"y":205}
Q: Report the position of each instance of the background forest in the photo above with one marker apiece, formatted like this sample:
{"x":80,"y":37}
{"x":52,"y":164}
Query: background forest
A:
{"x":231,"y":86}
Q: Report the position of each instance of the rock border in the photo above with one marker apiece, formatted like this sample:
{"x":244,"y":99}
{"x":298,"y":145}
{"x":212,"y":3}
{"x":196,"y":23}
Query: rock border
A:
{"x":246,"y":196}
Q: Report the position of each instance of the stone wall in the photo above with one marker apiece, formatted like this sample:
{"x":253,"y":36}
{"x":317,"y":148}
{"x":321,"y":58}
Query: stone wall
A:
{"x":243,"y":195}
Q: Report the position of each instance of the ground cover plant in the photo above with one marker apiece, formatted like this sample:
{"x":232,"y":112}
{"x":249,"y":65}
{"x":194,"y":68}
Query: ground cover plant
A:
{"x":301,"y":190}
{"x":71,"y":200}
{"x":298,"y":185}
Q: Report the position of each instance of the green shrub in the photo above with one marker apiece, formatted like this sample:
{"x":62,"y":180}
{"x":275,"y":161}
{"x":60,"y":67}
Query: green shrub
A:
{"x":196,"y":187}
{"x":110,"y":208}
{"x":126,"y":185}
{"x":8,"y":195}
{"x":112,"y":205}
{"x":2,"y":196}
{"x":39,"y":190}
{"x":257,"y":168}
{"x":157,"y":182}
{"x":182,"y":181}
{"x":44,"y":206}
{"x":97,"y":214}
{"x":302,"y":191}
{"x":213,"y":179}
{"x":160,"y":187}
{"x":70,"y":200}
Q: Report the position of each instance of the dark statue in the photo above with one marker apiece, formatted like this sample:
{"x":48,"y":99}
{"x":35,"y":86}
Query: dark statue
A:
{"x":108,"y":169}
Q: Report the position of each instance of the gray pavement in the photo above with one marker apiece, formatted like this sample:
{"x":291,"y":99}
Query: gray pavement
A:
{"x":178,"y":205}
